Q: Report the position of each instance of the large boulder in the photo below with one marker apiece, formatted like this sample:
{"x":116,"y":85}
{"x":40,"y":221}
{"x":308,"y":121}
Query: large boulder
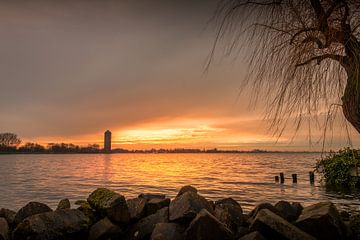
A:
{"x":273,"y":226}
{"x":153,"y":205}
{"x":187,"y":188}
{"x":167,"y":231}
{"x":206,"y":226}
{"x":261,"y":206}
{"x":64,"y":204}
{"x":288,"y":211}
{"x":322,"y":220}
{"x":145,"y":226}
{"x":9,"y":215}
{"x":66,"y":224}
{"x":354,"y":226}
{"x":111,"y":204}
{"x":230,"y":214}
{"x":253,"y":236}
{"x":4,"y":229}
{"x":30,"y":209}
{"x":137,"y":208}
{"x":104,"y":229}
{"x":185,"y":207}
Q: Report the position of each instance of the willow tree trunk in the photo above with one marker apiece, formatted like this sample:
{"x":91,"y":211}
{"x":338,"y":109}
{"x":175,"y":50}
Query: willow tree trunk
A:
{"x":351,"y":98}
{"x":351,"y":101}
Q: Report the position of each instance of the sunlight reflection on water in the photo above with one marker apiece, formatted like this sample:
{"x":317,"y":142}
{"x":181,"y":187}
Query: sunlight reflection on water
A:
{"x":249,"y":178}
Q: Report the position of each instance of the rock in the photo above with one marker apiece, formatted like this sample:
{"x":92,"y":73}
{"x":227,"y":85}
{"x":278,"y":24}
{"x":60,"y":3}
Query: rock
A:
{"x":64,"y":204}
{"x":259,"y":207}
{"x":81,"y":202}
{"x":185,"y":207}
{"x":253,"y":236}
{"x":206,"y":226}
{"x":242,"y":231}
{"x":65,"y":224}
{"x":273,"y":226}
{"x":86,"y":209}
{"x":104,"y":229}
{"x":111,"y":204}
{"x":228,"y":201}
{"x":322,"y":220}
{"x":167,"y":231}
{"x":354,"y":226}
{"x":186,"y":189}
{"x":246,"y":217}
{"x":230,"y":215}
{"x":345,"y":216}
{"x":212,"y":204}
{"x":348,"y":231}
{"x":30,"y":209}
{"x":298,"y":207}
{"x":145,"y":226}
{"x":149,"y":196}
{"x":9,"y":215}
{"x":153,"y":205}
{"x":287,"y":211}
{"x":137,"y":208}
{"x":4,"y":229}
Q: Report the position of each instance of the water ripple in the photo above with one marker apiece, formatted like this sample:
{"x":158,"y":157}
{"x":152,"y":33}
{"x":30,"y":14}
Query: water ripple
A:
{"x":249,"y":178}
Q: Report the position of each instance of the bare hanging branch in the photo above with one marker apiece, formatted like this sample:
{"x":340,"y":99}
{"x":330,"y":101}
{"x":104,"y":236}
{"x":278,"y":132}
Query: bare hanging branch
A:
{"x":282,"y":40}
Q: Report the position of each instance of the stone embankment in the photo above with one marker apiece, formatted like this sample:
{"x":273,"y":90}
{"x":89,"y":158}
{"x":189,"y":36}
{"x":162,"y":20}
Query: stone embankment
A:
{"x":189,"y":216}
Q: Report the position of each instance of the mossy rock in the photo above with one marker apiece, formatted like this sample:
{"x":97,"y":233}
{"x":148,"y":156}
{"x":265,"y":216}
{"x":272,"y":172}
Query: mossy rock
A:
{"x":100,"y":197}
{"x":81,"y":202}
{"x":64,"y":204}
{"x":85,"y":208}
{"x":108,"y":203}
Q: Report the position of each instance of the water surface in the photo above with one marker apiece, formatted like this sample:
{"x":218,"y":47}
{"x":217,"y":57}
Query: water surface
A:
{"x":248,"y":178}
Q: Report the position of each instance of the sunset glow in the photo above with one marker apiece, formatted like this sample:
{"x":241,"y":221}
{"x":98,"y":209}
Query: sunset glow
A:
{"x":165,"y":135}
{"x":135,"y":72}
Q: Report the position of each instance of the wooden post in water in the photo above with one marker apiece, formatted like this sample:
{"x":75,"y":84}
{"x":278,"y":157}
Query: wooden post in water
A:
{"x":294,"y":178}
{"x":277,"y":179}
{"x":312,"y":177}
{"x":282,"y":179}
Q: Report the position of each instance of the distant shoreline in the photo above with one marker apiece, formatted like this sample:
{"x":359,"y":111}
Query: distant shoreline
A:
{"x":145,"y":152}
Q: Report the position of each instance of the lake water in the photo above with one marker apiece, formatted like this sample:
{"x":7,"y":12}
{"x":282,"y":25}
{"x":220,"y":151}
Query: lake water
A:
{"x":248,"y":178}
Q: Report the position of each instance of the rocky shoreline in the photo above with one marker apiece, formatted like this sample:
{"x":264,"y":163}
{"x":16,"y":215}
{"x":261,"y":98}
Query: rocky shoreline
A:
{"x":189,"y":216}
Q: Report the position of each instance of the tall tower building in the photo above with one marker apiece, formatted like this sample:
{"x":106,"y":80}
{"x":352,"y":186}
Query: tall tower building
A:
{"x":107,"y":141}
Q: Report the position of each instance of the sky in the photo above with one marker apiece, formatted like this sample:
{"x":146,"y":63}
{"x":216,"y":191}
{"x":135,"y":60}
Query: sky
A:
{"x":72,"y":69}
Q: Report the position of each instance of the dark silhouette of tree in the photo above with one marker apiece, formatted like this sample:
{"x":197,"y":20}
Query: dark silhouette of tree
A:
{"x":91,"y":148}
{"x":304,"y":55}
{"x":31,"y":148}
{"x":63,"y":148}
{"x":72,"y":148}
{"x":8,"y":141}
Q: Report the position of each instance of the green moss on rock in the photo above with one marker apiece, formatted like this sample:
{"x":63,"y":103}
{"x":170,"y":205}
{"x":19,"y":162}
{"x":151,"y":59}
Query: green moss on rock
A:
{"x":109,"y":203}
{"x":99,"y":198}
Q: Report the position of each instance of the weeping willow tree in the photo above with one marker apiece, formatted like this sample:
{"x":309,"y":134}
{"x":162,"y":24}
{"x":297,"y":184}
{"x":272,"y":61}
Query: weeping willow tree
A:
{"x":304,"y":55}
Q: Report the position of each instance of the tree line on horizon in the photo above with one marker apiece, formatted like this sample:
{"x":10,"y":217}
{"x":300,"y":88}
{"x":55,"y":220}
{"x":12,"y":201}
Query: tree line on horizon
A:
{"x":10,"y":143}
